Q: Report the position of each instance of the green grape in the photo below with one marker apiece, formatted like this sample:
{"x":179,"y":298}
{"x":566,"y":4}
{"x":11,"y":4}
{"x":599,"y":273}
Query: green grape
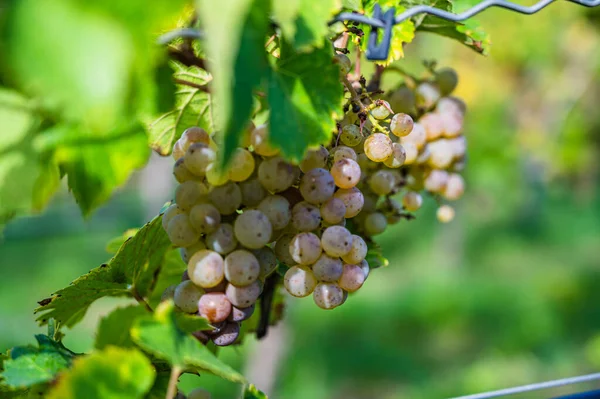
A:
{"x":205,"y":218}
{"x":455,"y":187}
{"x":317,"y":186}
{"x":188,"y":252}
{"x":227,"y":335}
{"x":365,"y":163}
{"x":206,"y":268}
{"x":241,"y":268}
{"x":351,"y":135}
{"x":260,"y":141}
{"x":186,"y":296}
{"x":313,"y":159}
{"x":276,"y":175}
{"x":446,"y":80}
{"x":381,"y":111}
{"x":417,"y":136}
{"x":336,"y":241}
{"x":403,"y":100}
{"x":242,"y":297}
{"x":277,"y":209}
{"x":327,"y":269}
{"x":345,"y":173}
{"x":199,"y":393}
{"x":214,"y":307}
{"x":299,"y":281}
{"x":267,"y":261}
{"x":197,"y":157}
{"x":252,"y":192}
{"x":382,"y":182}
{"x":181,"y":232}
{"x":333,"y":211}
{"x":353,"y":200}
{"x":227,"y":198}
{"x":401,"y":125}
{"x":328,"y":295}
{"x":189,"y":136}
{"x":181,"y":173}
{"x":190,"y":193}
{"x":412,"y":201}
{"x":242,"y":165}
{"x":378,"y":147}
{"x":168,"y":293}
{"x":305,"y":216}
{"x":282,"y":249}
{"x":222,"y":240}
{"x":343,"y":62}
{"x":370,"y":202}
{"x":398,"y":157}
{"x":436,"y":181}
{"x":375,"y":223}
{"x":305,"y":248}
{"x":253,"y":229}
{"x":427,"y":94}
{"x":445,"y":213}
{"x":169,"y":213}
{"x":358,"y":251}
{"x":352,"y":278}
{"x":215,"y":176}
{"x":342,"y":152}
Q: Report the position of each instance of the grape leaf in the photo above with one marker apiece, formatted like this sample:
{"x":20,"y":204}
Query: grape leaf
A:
{"x":193,"y":107}
{"x":251,"y":392}
{"x":170,"y":274}
{"x":160,"y":387}
{"x":131,"y":272}
{"x":160,"y":335}
{"x":111,"y":373}
{"x":115,"y":244}
{"x":305,"y":95}
{"x":113,"y":329}
{"x":375,"y":256}
{"x":304,"y":22}
{"x":352,"y":5}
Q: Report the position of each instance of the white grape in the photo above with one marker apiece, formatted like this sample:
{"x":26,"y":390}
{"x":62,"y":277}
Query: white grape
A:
{"x":282,"y":249}
{"x":433,"y":125}
{"x":205,"y":218}
{"x":378,"y":147}
{"x":381,"y":111}
{"x":181,"y":232}
{"x":452,"y":124}
{"x":353,"y":200}
{"x":305,"y":216}
{"x":299,"y":281}
{"x":333,"y":210}
{"x":328,"y":295}
{"x":375,"y":223}
{"x":222,"y":240}
{"x":267,"y":261}
{"x":242,"y":297}
{"x":412,"y":201}
{"x":241,"y":268}
{"x":252,"y":192}
{"x":445,"y":213}
{"x":215,"y":176}
{"x":168,"y":293}
{"x":186,"y":296}
{"x":346,"y":173}
{"x":276,"y":175}
{"x":401,"y":125}
{"x":351,"y":135}
{"x":214,"y":307}
{"x":261,"y":143}
{"x":352,"y":278}
{"x":455,"y":187}
{"x":197,"y":157}
{"x":206,"y":268}
{"x":343,"y":62}
{"x":253,"y":229}
{"x":343,"y":152}
{"x":382,"y":182}
{"x":336,"y":241}
{"x":277,"y":209}
{"x":226,"y":198}
{"x":316,"y":158}
{"x":327,"y":268}
{"x":242,"y":165}
{"x":442,"y":153}
{"x":171,"y":211}
{"x":182,"y":173}
{"x":358,"y":251}
{"x":190,"y":193}
{"x":364,"y":265}
{"x":305,"y":248}
{"x":436,"y":181}
{"x":398,"y":157}
{"x":317,"y":186}
{"x":417,"y":136}
{"x":412,"y":152}
{"x":427,"y":94}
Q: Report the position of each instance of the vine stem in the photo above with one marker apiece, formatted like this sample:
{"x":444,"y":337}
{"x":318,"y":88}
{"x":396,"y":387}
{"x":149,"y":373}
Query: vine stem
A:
{"x":172,"y":388}
{"x":184,"y":82}
{"x":356,"y":99}
{"x":140,"y":300}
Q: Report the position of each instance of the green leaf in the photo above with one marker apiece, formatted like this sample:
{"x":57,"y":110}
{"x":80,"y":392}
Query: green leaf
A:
{"x":251,"y":392}
{"x":305,"y":95}
{"x":190,"y":323}
{"x":304,"y":22}
{"x":160,"y":335}
{"x":160,"y":387}
{"x":132,"y":270}
{"x":113,"y":329}
{"x":115,"y":244}
{"x":236,"y":46}
{"x":193,"y":107}
{"x":352,"y":5}
{"x":111,"y":373}
{"x":375,"y":256}
{"x":170,"y":274}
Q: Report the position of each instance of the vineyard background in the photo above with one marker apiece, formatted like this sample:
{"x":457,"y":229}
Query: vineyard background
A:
{"x":507,"y":294}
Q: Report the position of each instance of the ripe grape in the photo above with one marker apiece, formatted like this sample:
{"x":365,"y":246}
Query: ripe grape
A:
{"x":417,"y":136}
{"x":398,"y":157}
{"x":206,"y":268}
{"x":305,"y":216}
{"x":242,"y":165}
{"x":277,"y":209}
{"x":458,"y":146}
{"x":276,"y":175}
{"x":197,"y":157}
{"x":452,"y":105}
{"x":186,"y":296}
{"x":226,"y":198}
{"x":442,"y":154}
{"x":336,"y":241}
{"x":427,"y":94}
{"x":452,"y":124}
{"x":412,"y":152}
{"x":365,"y":163}
{"x":190,"y":193}
{"x":205,"y":218}
{"x":445,"y":213}
{"x":313,"y":159}
{"x":327,"y":268}
{"x":455,"y":187}
{"x":317,"y":186}
{"x":333,"y":211}
{"x":214,"y":307}
{"x":253,"y":229}
{"x":241,"y":314}
{"x":358,"y":251}
{"x":381,"y":111}
{"x":305,"y":248}
{"x":182,"y":173}
{"x":436,"y":181}
{"x":352,"y":278}
{"x":241,"y":268}
{"x":171,"y":211}
{"x":222,"y":240}
{"x":412,"y":201}
{"x":199,"y":393}
{"x":188,"y":252}
{"x":168,"y":293}
{"x":343,"y":62}
{"x":260,"y":141}
{"x":345,"y":173}
{"x":401,"y":125}
{"x":181,"y":232}
{"x":252,"y":192}
{"x":194,"y":134}
{"x":227,"y":335}
{"x":299,"y":281}
{"x":353,"y":200}
{"x":375,"y":223}
{"x":446,"y":80}
{"x":342,"y":152}
{"x":242,"y":297}
{"x":328,"y":295}
{"x":378,"y":147}
{"x":351,"y":135}
{"x":403,"y":100}
{"x":282,"y":249}
{"x":215,"y":176}
{"x":364,"y":265}
{"x":433,"y":125}
{"x":382,"y":182}
{"x":267,"y":260}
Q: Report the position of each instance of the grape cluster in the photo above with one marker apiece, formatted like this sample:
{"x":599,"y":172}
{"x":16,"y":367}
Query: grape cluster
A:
{"x":315,"y":218}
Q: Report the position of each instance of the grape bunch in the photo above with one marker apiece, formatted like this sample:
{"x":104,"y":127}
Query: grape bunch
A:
{"x":312,"y":221}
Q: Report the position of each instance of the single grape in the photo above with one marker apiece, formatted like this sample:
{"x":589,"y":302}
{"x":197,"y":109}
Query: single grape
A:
{"x":227,"y":335}
{"x":352,"y":278}
{"x":181,"y":232}
{"x":427,"y":94}
{"x":186,"y":296}
{"x":253,"y":229}
{"x":168,"y":293}
{"x":328,"y":295}
{"x":190,"y":193}
{"x":446,"y":79}
{"x":242,"y":297}
{"x":277,"y":209}
{"x":433,"y":125}
{"x":382,"y":182}
{"x":351,"y":135}
{"x":381,"y":111}
{"x":333,"y":210}
{"x":436,"y":181}
{"x":260,"y":141}
{"x":171,"y":211}
{"x":343,"y":62}
{"x":452,"y":105}
{"x":305,"y":216}
{"x":442,"y":154}
{"x":206,"y":268}
{"x":241,"y":268}
{"x":358,"y":251}
{"x":222,"y":240}
{"x":342,"y":152}
{"x":375,"y":223}
{"x":205,"y":218}
{"x":241,"y":166}
{"x":299,"y":281}
{"x":412,"y":201}
{"x":215,"y":176}
{"x":445,"y":213}
{"x":398,"y":157}
{"x":317,"y":186}
{"x":452,"y":124}
{"x":197,"y":157}
{"x":181,"y":173}
{"x":313,"y":159}
{"x":402,"y":100}
{"x":401,"y":125}
{"x":276,"y":175}
{"x":378,"y":147}
{"x":252,"y":192}
{"x":336,"y":241}
{"x":417,"y":136}
{"x":194,"y":134}
{"x":282,"y":249}
{"x":267,"y":260}
{"x":353,"y":200}
{"x":345,"y":173}
{"x":455,"y":187}
{"x":364,"y":265}
{"x":305,"y":248}
{"x":327,"y":268}
{"x":227,"y":198}
{"x":458,"y":146}
{"x":199,"y":393}
{"x":214,"y":307}
{"x":241,"y":314}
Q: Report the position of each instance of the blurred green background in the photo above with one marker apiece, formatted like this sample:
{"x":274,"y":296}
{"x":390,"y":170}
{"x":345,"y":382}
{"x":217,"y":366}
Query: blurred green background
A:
{"x":506,"y":294}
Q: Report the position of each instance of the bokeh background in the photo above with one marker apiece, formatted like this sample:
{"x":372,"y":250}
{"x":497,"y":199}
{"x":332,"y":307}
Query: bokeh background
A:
{"x":507,"y":294}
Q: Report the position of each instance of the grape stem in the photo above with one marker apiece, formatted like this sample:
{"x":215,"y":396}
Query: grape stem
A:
{"x":186,"y":56}
{"x":140,"y":300}
{"x":172,"y":388}
{"x":356,"y":99}
{"x":184,"y":82}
